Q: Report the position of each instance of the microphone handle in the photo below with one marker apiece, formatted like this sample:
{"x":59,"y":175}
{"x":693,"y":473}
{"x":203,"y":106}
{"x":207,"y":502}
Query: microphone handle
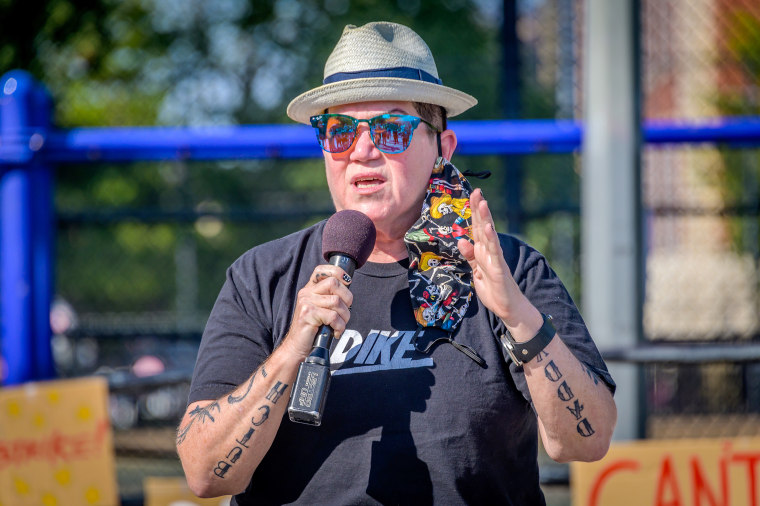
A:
{"x":309,"y":393}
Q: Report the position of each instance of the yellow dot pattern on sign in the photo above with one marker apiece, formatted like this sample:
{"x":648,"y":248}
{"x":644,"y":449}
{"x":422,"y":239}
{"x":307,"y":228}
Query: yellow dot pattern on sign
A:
{"x":84,"y":413}
{"x":22,"y":487}
{"x":57,"y":482}
{"x":63,"y":476}
{"x":92,"y":495}
{"x":14,"y":409}
{"x":49,"y":499}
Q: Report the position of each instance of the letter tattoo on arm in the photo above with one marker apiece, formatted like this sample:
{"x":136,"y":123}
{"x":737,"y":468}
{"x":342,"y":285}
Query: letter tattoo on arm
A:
{"x":224,"y":465}
{"x":565,"y":394}
{"x":231,"y":399}
{"x":264,"y":417}
{"x":276,"y":392}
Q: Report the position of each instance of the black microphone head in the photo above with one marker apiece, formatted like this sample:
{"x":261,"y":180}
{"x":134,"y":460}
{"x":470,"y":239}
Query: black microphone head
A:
{"x":350,"y":233}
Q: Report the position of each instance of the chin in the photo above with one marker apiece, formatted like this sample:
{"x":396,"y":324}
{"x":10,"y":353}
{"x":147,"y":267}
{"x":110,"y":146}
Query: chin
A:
{"x":368,"y":208}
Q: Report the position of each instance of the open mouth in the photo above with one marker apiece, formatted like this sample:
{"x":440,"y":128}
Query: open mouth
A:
{"x":367,"y":182}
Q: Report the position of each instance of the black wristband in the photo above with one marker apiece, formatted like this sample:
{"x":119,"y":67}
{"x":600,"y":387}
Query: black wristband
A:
{"x":525,"y":352}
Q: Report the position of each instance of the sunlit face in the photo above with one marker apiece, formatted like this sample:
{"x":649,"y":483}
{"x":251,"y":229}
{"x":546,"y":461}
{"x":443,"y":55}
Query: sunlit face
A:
{"x":389,"y":188}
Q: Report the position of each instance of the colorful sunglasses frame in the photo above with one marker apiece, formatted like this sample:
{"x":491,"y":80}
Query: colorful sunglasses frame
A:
{"x":408,"y":123}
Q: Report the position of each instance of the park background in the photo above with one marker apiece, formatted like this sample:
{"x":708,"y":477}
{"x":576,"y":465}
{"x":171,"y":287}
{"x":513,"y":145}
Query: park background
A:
{"x":141,"y":248}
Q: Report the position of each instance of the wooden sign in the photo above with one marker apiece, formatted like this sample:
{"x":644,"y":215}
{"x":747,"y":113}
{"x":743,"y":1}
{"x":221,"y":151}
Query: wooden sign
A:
{"x":56,"y":444}
{"x":173,"y":491}
{"x":680,"y":472}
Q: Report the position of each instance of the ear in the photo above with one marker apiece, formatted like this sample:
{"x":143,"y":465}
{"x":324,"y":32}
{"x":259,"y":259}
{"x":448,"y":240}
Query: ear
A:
{"x":448,"y":143}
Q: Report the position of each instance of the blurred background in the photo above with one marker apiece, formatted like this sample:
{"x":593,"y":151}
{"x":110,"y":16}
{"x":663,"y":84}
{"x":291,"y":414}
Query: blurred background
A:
{"x":141,"y":249}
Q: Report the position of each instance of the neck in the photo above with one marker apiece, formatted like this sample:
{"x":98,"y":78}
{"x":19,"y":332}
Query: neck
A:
{"x":389,"y":247}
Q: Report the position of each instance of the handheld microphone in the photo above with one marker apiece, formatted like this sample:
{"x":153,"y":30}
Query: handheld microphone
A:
{"x":347,"y":241}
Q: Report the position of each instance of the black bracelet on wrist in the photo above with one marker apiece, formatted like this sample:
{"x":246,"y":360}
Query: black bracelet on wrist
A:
{"x":525,"y":352}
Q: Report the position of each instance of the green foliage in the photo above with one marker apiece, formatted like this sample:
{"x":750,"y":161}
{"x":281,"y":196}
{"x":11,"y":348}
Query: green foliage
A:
{"x":741,"y":178}
{"x":744,"y":42}
{"x":194,"y":62}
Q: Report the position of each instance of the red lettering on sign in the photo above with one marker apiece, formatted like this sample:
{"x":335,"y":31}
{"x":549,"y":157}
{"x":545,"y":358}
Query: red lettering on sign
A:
{"x":667,"y":479}
{"x":604,"y":475}
{"x":5,"y":455}
{"x":81,"y":445}
{"x":751,"y":459}
{"x":701,"y":487}
{"x":52,"y":448}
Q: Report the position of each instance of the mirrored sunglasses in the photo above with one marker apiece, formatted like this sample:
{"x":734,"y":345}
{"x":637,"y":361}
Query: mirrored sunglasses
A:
{"x":391,"y":133}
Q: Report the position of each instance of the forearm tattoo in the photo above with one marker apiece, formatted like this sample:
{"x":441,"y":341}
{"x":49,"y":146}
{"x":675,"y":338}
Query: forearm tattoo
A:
{"x":225,"y":464}
{"x":201,"y":413}
{"x":565,"y":394}
{"x":590,"y":374}
{"x":232,"y":399}
{"x":242,"y":441}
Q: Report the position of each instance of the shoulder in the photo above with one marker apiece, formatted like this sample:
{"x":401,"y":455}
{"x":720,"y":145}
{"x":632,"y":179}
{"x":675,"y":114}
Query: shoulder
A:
{"x":519,"y":255}
{"x":281,"y":254}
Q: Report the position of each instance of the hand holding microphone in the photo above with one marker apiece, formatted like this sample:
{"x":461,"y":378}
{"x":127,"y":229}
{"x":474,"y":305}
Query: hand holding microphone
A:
{"x":347,"y":241}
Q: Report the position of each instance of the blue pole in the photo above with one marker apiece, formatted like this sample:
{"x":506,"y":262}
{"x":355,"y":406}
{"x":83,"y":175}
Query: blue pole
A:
{"x":15,"y":255}
{"x":42,"y":270}
{"x":26,"y":265}
{"x":42,"y":235}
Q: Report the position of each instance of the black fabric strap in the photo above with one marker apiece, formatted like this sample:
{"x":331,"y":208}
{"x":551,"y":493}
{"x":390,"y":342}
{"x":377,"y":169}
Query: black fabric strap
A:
{"x":527,"y":351}
{"x":483,"y":174}
{"x":448,"y":339}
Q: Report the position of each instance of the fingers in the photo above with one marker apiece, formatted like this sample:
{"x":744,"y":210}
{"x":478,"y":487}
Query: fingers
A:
{"x":481,"y":215}
{"x":475,"y":198}
{"x":466,"y":249}
{"x":481,"y":220}
{"x":491,"y":239}
{"x":326,"y":299}
{"x":486,"y":252}
{"x":314,"y":315}
{"x":337,"y":309}
{"x":326,"y":271}
{"x":483,"y":230}
{"x":329,"y":293}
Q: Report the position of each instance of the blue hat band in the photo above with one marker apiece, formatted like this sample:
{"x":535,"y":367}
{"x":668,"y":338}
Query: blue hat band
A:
{"x":400,"y":72}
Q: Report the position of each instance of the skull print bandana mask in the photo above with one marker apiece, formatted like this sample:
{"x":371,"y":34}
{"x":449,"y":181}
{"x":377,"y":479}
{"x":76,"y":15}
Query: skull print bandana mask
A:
{"x":440,"y":279}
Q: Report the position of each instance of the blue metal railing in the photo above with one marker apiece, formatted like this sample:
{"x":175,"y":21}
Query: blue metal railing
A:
{"x":26,"y":265}
{"x":487,"y":137}
{"x":30,"y":147}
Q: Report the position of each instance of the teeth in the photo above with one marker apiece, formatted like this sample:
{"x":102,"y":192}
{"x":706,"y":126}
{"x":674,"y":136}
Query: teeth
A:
{"x":366,"y":182}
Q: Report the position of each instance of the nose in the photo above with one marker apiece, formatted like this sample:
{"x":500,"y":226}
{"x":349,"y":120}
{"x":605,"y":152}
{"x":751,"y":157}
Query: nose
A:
{"x":364,"y":148}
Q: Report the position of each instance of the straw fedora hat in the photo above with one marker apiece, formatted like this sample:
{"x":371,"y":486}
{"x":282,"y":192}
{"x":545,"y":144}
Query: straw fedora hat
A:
{"x":379,"y":61}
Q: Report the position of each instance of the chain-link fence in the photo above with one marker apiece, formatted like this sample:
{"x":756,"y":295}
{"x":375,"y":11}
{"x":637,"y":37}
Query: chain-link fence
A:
{"x":700,"y":60}
{"x":142,"y":248}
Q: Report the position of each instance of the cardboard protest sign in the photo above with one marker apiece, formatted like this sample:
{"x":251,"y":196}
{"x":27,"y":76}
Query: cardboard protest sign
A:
{"x":173,"y":491}
{"x":681,"y":472}
{"x":56,"y":445}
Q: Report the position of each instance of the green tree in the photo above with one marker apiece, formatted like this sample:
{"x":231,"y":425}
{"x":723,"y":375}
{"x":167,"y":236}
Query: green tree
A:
{"x":740,"y":179}
{"x":195,"y":62}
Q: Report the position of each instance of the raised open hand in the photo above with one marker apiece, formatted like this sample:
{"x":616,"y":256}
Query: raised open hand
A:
{"x":492,"y":278}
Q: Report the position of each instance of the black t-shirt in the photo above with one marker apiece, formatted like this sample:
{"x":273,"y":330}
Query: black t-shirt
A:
{"x":400,"y":426}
